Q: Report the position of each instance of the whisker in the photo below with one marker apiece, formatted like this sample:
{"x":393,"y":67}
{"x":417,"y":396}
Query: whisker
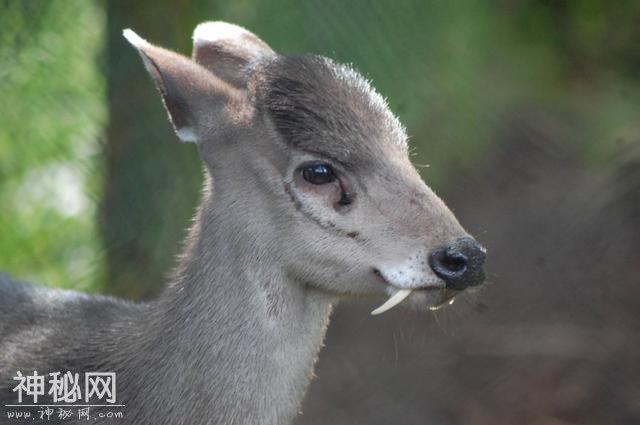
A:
{"x":480,"y":233}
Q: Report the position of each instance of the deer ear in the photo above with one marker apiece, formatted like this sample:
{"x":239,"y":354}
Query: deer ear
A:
{"x":195,"y":99}
{"x":226,"y":50}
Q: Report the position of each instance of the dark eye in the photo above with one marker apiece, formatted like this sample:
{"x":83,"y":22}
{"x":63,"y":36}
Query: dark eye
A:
{"x":318,"y":174}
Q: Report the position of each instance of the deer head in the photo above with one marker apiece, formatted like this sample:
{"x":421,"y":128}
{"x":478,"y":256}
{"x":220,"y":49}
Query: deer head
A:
{"x":306,"y":157}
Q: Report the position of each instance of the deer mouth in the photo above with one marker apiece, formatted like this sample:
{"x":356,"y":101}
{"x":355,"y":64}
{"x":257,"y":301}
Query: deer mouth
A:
{"x":429,"y":295}
{"x":430,"y":298}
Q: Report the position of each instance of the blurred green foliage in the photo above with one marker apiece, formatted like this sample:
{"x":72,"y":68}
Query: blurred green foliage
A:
{"x":455,"y":72}
{"x":51,"y":116}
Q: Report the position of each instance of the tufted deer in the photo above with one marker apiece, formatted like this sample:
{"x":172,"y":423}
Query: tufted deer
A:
{"x":309,"y":197}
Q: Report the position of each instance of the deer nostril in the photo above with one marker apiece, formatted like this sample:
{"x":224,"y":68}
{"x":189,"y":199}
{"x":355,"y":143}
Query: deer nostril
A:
{"x":454,"y":261}
{"x":459,"y":264}
{"x":448,"y":264}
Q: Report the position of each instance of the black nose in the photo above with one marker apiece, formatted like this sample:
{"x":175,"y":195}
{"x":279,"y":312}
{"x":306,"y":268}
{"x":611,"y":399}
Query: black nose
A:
{"x":459,"y":264}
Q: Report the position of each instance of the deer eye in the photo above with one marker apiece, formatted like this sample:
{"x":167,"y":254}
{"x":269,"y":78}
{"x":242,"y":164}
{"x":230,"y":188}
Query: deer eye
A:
{"x":318,"y":174}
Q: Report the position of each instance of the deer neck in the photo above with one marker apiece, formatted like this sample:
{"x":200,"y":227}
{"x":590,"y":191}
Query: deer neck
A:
{"x":234,"y":331}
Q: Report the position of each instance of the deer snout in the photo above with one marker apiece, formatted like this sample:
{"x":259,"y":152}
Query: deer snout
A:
{"x":459,"y":264}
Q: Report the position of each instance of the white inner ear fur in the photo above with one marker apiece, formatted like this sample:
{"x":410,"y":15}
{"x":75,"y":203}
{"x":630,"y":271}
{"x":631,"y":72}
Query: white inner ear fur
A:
{"x":209,"y":32}
{"x":135,"y":40}
{"x":140,"y":44}
{"x":414,"y":272}
{"x":186,"y":134}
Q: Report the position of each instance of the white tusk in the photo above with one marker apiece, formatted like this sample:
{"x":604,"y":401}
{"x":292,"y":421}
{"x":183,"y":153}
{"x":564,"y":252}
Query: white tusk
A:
{"x":395,"y":299}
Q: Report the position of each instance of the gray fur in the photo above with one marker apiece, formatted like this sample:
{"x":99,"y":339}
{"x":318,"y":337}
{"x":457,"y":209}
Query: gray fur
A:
{"x":327,"y":108}
{"x":234,"y":336}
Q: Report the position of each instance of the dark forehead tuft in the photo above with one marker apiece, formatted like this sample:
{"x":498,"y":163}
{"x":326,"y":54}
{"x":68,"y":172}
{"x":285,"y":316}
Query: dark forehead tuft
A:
{"x":327,"y":108}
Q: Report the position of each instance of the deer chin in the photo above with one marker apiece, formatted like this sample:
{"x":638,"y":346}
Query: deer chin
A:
{"x":422,"y":299}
